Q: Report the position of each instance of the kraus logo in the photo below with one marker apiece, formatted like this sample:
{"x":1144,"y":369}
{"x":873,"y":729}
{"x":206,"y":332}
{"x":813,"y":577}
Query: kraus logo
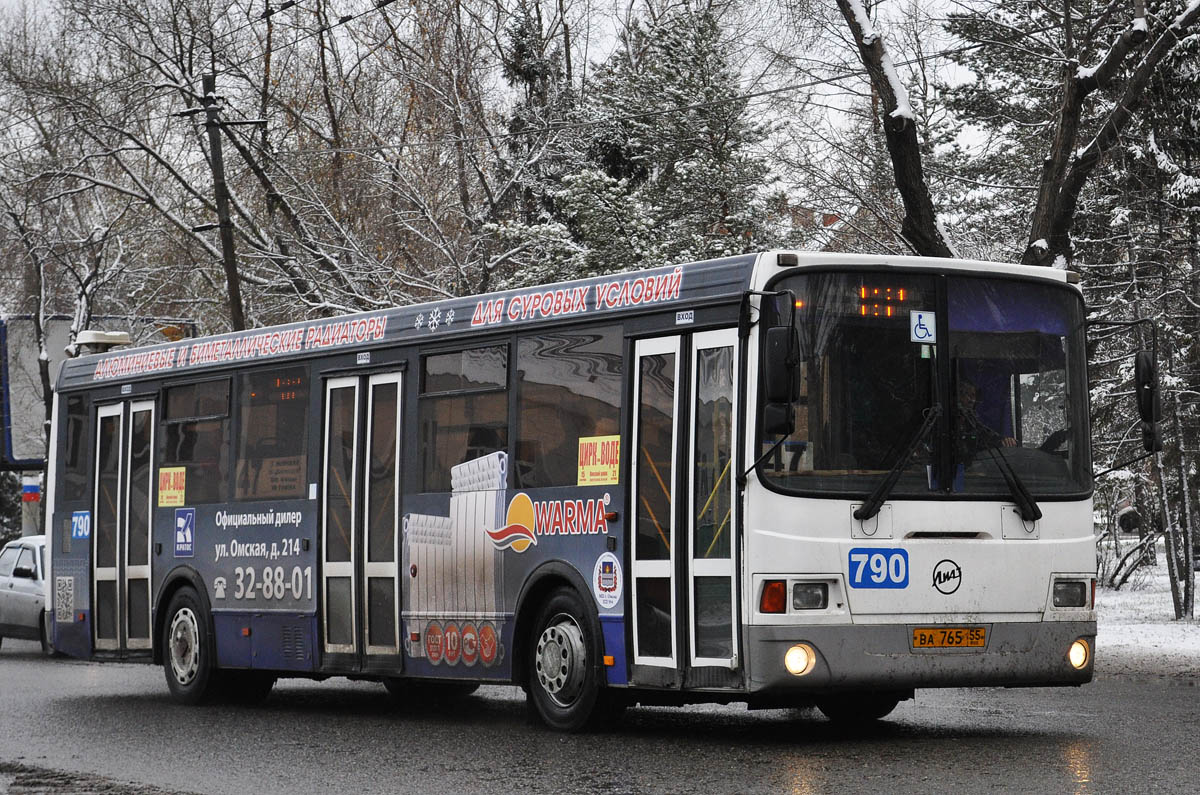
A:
{"x":947,"y":576}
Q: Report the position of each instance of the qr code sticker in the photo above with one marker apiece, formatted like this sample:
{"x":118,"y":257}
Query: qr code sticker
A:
{"x":64,"y":599}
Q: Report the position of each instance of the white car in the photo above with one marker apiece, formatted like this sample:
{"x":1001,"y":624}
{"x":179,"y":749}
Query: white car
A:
{"x":22,"y":573}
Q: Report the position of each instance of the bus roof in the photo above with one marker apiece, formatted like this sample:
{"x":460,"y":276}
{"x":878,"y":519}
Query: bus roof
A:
{"x":598,"y":297}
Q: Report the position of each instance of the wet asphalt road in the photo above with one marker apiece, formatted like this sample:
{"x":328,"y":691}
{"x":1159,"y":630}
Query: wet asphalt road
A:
{"x":73,"y":727}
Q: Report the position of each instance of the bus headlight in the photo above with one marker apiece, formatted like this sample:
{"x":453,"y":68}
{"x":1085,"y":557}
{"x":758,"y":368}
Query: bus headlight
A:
{"x":1070,"y":593}
{"x":810,"y":596}
{"x":1079,"y":654}
{"x":800,"y":659}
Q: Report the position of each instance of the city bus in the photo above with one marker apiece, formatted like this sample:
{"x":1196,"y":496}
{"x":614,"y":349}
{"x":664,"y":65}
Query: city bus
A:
{"x":789,"y":479}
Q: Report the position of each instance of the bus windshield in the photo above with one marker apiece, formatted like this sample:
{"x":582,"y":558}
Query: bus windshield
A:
{"x":1000,"y":361}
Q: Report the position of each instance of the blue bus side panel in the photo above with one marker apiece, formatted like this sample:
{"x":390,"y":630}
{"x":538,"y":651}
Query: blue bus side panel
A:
{"x":233,"y":645}
{"x":271,"y":641}
{"x":468,"y":555}
{"x":613,"y":629}
{"x":71,"y":591}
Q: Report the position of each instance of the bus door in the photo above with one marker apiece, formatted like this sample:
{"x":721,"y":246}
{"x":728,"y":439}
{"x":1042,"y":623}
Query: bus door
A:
{"x":121,"y":510}
{"x":360,"y":589}
{"x":684,"y":555}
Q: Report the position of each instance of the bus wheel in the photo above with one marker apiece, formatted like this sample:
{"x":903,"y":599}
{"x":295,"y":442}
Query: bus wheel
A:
{"x":187,"y":660}
{"x":848,"y":708}
{"x":563,"y":685}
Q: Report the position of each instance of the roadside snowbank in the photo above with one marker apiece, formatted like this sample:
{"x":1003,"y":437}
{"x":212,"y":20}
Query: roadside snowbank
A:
{"x":1138,"y":634}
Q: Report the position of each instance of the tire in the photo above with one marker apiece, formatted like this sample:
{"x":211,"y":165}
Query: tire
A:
{"x":859,"y":708}
{"x":422,"y":692}
{"x":247,"y":688}
{"x":564,"y":688}
{"x":187,"y":656}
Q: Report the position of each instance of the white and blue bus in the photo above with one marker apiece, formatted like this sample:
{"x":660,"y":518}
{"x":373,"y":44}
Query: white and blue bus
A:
{"x":784,"y":479}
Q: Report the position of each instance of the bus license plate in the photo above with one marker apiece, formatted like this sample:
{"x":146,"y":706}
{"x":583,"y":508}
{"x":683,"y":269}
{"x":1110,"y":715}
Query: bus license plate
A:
{"x":949,"y":638}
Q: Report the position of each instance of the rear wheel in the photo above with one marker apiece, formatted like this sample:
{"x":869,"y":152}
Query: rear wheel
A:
{"x":187,"y":656}
{"x":851,"y":708}
{"x":564,"y":687}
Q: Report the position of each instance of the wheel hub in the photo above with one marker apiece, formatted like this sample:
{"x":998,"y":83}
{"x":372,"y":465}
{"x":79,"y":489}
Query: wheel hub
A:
{"x":561,"y":660}
{"x":184,"y":646}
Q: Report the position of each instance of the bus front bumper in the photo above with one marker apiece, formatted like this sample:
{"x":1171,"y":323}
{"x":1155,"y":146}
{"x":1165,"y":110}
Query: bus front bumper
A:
{"x":861,"y":657}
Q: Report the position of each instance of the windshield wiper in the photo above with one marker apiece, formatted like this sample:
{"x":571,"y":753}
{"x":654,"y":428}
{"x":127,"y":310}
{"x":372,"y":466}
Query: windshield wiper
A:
{"x":1026,"y":504}
{"x":879,"y":494}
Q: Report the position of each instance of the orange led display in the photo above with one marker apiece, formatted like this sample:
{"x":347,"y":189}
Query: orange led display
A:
{"x":880,"y":301}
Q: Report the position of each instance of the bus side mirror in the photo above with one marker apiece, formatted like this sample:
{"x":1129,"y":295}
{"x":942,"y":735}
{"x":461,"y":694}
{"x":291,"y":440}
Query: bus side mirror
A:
{"x":778,"y":375}
{"x":1145,"y":374}
{"x":778,"y":419}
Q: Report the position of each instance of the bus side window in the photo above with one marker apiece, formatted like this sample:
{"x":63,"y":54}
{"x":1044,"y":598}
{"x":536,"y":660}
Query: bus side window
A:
{"x":568,"y":389}
{"x":75,"y":480}
{"x":272,"y":428}
{"x":463,"y":410}
{"x":196,"y":436}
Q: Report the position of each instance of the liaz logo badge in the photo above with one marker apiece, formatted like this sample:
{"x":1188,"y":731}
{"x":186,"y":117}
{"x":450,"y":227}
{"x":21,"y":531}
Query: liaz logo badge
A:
{"x":185,"y":532}
{"x":517,"y":533}
{"x":947,"y":576}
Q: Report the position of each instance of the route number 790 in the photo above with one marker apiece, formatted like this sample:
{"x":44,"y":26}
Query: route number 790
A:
{"x":874,"y":567}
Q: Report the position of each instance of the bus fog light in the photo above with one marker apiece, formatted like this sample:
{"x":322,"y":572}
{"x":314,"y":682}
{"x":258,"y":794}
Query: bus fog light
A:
{"x":1070,"y":593}
{"x":810,"y":596}
{"x":1079,"y":654}
{"x":800,"y":659}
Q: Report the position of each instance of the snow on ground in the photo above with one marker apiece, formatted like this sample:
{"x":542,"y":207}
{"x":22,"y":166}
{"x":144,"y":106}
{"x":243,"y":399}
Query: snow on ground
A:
{"x":1137,"y":632}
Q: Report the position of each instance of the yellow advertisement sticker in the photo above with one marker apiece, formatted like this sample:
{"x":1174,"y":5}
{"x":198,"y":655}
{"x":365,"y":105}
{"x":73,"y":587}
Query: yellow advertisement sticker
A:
{"x":172,"y":485}
{"x":599,"y":460}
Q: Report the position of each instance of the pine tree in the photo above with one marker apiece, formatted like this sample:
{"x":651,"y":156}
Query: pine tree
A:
{"x":672,"y":151}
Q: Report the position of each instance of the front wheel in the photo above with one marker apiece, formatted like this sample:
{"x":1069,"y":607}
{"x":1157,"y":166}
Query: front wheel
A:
{"x":187,"y":657}
{"x":563,"y":684}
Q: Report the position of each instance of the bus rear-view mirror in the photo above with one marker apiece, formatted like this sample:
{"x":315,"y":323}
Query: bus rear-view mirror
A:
{"x":777,"y":364}
{"x":779,"y":419}
{"x":1145,"y":375}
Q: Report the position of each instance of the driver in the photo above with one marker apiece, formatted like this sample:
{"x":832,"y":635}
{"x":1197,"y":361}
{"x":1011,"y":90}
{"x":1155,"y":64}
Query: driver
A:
{"x":973,"y":434}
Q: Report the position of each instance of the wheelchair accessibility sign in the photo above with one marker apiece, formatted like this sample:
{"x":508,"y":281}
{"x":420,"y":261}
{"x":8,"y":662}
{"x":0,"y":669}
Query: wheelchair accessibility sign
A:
{"x":922,"y":327}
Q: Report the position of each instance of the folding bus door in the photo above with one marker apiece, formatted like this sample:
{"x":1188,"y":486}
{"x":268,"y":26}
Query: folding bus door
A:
{"x":123,"y":490}
{"x":360,"y":595}
{"x":684,"y":556}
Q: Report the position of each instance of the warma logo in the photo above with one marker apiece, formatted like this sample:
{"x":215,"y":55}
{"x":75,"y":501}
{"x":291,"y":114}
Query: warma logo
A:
{"x":517,"y":533}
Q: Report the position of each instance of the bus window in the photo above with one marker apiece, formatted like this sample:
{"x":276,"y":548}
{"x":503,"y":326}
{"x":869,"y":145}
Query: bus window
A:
{"x":272,"y":426}
{"x":195,"y":435}
{"x":75,"y":480}
{"x":568,"y":389}
{"x":463,"y":412}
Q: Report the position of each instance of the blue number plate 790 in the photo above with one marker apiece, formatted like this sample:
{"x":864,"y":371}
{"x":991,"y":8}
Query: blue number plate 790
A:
{"x":875,"y":567}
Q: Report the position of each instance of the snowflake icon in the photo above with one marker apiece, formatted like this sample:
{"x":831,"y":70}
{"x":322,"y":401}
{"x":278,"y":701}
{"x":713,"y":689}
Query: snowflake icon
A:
{"x":449,"y":317}
{"x":435,"y":317}
{"x":420,"y":321}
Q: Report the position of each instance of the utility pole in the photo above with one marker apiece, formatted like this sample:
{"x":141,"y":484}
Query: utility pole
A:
{"x":213,"y":125}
